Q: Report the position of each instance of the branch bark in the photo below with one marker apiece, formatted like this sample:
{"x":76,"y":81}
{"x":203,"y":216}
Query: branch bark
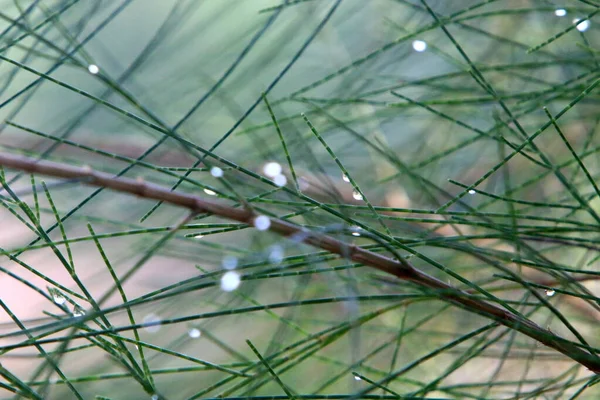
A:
{"x":401,"y":269}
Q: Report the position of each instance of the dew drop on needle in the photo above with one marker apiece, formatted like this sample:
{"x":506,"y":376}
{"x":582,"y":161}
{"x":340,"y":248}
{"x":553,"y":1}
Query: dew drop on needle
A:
{"x":581,"y":26}
{"x":262,"y":222}
{"x":280,"y":180}
{"x":78,"y":311}
{"x":560,"y":12}
{"x":419,"y":46}
{"x":272,"y":169}
{"x":216,"y":172}
{"x":59,"y":298}
{"x":230,"y":281}
{"x":194,"y":333}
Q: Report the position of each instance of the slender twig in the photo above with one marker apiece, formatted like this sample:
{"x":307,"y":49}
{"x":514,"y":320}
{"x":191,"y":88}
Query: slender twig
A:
{"x":399,"y":268}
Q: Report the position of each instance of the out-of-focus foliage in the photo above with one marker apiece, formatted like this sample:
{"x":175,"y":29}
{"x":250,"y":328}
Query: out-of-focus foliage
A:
{"x":461,"y":134}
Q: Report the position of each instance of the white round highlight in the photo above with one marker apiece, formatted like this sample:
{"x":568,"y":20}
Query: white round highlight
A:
{"x":583,"y":25}
{"x":59,"y":299}
{"x":356,"y":195}
{"x":280,"y":180}
{"x":560,"y":12}
{"x":210,"y":192}
{"x":262,"y":222}
{"x":78,"y":311}
{"x":419,"y":46}
{"x":194,"y":333}
{"x":216,"y":172}
{"x":93,"y":69}
{"x":272,"y":169}
{"x":230,"y":281}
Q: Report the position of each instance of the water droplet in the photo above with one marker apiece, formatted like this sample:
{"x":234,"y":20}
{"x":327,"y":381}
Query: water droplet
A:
{"x":357,"y":378}
{"x":262,"y":222}
{"x":560,"y":12}
{"x":78,"y":311}
{"x":419,"y":45}
{"x":154,"y":397}
{"x":550,"y":292}
{"x":230,"y":281}
{"x":472,"y":191}
{"x":210,"y":192}
{"x":230,"y":262}
{"x":93,"y":69}
{"x":356,"y":195}
{"x":280,"y":180}
{"x":345,"y":178}
{"x":356,"y":230}
{"x":59,"y":298}
{"x":216,"y":172}
{"x":272,"y":169}
{"x":276,"y":254}
{"x":199,"y":236}
{"x":154,"y":320}
{"x":194,"y":333}
{"x":583,"y":25}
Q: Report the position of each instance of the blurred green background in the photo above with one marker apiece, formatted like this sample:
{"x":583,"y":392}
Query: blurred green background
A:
{"x":405,"y":103}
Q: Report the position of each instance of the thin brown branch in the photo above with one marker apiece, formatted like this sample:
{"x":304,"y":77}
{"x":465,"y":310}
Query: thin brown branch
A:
{"x":401,"y":269}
